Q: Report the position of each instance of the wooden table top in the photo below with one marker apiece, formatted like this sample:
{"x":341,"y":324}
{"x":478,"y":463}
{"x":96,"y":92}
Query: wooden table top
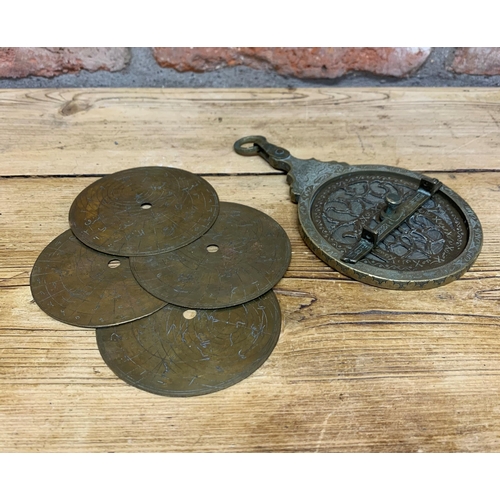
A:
{"x":356,"y":368}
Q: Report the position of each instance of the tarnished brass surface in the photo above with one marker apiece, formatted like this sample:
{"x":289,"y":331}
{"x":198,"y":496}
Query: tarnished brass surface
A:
{"x":172,"y":353}
{"x":80,"y":286}
{"x":382,"y":225}
{"x":144,"y":211}
{"x":243,"y":255}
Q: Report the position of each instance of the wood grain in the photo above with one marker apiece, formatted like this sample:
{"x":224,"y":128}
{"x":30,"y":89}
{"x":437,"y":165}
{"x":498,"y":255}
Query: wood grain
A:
{"x":356,"y":368}
{"x":89,"y":131}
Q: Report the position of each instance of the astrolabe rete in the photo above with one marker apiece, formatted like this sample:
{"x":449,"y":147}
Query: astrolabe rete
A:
{"x":144,"y":211}
{"x":80,"y":286}
{"x":382,"y":225}
{"x":183,"y":352}
{"x":243,"y":255}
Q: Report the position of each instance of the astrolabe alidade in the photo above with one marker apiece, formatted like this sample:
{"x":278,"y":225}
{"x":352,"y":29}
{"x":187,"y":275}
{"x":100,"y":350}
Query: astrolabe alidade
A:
{"x":185,"y":352}
{"x":382,"y":225}
{"x":144,"y":211}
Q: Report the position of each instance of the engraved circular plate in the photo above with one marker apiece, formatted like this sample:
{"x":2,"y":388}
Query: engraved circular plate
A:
{"x":243,"y":255}
{"x":79,"y":286}
{"x":435,"y":245}
{"x":181,"y":352}
{"x":144,"y":211}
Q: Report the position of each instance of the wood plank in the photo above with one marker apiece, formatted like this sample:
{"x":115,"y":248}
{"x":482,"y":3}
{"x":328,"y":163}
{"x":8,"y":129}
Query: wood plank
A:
{"x":98,"y":131}
{"x":356,"y":368}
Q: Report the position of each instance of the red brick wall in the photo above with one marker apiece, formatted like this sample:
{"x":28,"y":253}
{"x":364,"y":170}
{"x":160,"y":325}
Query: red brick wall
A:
{"x":53,"y":61}
{"x":306,"y":63}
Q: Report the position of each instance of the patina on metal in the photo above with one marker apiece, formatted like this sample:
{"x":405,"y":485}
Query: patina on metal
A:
{"x":144,"y":211}
{"x":382,"y":225}
{"x":182,"y":352}
{"x":243,"y":255}
{"x":80,"y":286}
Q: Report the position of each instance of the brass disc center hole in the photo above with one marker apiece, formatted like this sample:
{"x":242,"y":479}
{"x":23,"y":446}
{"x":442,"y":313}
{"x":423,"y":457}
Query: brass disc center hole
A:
{"x":212,"y":248}
{"x":112,"y":264}
{"x":189,"y":314}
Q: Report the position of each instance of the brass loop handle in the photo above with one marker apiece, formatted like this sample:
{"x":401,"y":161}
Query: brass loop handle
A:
{"x":251,"y":139}
{"x":276,"y":156}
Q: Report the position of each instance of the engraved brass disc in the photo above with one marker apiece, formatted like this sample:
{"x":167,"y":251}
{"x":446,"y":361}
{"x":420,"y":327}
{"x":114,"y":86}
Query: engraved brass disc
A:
{"x":80,"y":286}
{"x":431,"y":247}
{"x":243,"y":255}
{"x":384,"y":226}
{"x":181,"y":352}
{"x":144,"y":211}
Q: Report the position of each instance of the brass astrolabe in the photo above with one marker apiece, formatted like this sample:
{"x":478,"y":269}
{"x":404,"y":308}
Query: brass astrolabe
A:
{"x":144,"y":211}
{"x":382,"y":225}
{"x":182,"y":352}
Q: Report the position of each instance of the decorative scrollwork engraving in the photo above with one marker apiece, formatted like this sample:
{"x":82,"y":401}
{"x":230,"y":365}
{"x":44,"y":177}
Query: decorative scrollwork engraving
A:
{"x":435,"y":233}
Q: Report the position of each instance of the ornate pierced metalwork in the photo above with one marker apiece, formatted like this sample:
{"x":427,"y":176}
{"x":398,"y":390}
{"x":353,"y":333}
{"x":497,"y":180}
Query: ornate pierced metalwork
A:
{"x":382,"y":225}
